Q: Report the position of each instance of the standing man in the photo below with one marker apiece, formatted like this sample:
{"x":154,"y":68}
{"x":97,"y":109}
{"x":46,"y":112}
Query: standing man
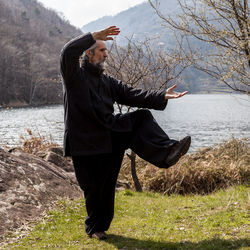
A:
{"x":96,"y":138}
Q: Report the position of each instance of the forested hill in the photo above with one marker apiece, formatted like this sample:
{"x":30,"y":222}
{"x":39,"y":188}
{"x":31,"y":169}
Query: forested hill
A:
{"x":31,"y":37}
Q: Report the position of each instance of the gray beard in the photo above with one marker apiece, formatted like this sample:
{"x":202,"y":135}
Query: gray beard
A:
{"x":100,"y":65}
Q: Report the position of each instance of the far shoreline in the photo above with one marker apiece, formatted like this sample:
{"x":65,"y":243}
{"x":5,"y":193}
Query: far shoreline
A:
{"x":29,"y":106}
{"x":24,"y":105}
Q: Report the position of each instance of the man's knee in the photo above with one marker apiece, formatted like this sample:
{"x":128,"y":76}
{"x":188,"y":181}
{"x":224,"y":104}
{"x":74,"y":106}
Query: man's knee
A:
{"x":140,"y":117}
{"x":144,"y":114}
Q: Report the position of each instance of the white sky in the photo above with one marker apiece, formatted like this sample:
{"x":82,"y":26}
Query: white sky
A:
{"x":81,"y":12}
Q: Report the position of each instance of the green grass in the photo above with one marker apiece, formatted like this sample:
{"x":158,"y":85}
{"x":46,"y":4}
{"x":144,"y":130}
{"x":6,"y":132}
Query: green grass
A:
{"x":151,"y":221}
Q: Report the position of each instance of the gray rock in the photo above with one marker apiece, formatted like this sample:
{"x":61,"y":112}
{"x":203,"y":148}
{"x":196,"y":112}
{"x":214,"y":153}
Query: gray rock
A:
{"x":59,"y":161}
{"x":57,"y":150}
{"x":28,"y":185}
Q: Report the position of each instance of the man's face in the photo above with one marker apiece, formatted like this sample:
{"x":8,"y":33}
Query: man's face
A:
{"x":99,"y":55}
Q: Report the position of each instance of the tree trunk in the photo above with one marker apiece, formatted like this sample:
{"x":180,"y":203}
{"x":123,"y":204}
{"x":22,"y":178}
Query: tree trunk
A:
{"x":137,"y":184}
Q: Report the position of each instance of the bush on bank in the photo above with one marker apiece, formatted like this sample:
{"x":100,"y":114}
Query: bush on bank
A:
{"x":202,"y":172}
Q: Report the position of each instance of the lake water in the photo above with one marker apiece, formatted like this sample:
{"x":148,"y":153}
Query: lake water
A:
{"x":209,"y":119}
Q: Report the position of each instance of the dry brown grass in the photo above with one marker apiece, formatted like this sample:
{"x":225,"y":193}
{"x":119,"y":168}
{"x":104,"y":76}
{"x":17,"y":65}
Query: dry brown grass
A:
{"x":203,"y":172}
{"x":34,"y":144}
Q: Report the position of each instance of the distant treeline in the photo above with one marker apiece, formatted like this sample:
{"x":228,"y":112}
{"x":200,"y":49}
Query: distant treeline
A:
{"x":31,"y":39}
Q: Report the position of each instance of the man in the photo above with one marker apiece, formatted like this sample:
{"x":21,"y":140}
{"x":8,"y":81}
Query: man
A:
{"x":96,"y":138}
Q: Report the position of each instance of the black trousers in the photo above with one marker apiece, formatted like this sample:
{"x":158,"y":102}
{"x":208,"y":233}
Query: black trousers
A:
{"x":97,"y":174}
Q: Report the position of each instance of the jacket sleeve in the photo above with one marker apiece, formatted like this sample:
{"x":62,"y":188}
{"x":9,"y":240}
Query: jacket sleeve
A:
{"x":70,"y":54}
{"x":135,"y":97}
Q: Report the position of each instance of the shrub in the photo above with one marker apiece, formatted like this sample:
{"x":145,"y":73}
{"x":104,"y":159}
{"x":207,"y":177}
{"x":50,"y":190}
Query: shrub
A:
{"x":35,"y":143}
{"x":202,"y":172}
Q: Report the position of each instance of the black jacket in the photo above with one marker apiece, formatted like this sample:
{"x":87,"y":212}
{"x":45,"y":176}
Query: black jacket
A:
{"x":89,"y":96}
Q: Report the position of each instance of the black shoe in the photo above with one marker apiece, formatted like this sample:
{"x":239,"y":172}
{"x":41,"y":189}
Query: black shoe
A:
{"x":99,"y":235}
{"x":177,"y":151}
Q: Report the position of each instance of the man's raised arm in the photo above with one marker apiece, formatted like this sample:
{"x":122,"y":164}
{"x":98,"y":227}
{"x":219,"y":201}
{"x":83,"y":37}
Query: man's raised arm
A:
{"x":74,"y":49}
{"x":71,"y":53}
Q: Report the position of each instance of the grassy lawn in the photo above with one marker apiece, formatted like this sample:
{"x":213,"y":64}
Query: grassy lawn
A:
{"x":151,"y":221}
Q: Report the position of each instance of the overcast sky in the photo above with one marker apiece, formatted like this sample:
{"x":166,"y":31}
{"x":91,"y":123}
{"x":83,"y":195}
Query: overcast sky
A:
{"x":81,"y":12}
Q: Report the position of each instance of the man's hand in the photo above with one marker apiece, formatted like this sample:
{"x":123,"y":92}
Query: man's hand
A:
{"x":171,"y":94}
{"x":106,"y":33}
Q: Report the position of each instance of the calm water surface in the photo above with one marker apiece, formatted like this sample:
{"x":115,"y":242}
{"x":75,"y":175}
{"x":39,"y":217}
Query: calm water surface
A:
{"x":209,"y":119}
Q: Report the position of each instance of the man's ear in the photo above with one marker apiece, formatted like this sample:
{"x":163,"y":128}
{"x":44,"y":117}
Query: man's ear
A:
{"x":89,"y":52}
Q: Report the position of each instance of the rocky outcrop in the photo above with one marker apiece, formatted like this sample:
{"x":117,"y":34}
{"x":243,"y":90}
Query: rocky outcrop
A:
{"x":29,"y":184}
{"x":55,"y":155}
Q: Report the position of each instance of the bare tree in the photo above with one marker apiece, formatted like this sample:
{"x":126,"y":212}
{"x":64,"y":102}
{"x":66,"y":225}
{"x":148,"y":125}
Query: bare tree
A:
{"x":138,"y":65}
{"x":223,"y":27}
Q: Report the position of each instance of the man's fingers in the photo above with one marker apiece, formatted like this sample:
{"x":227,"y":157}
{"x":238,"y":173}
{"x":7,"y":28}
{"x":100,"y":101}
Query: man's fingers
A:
{"x":181,"y":94}
{"x":113,"y":33}
{"x":173,"y":87}
{"x":112,"y":27}
{"x":109,"y":38}
{"x":113,"y":30}
{"x":106,"y":33}
{"x":173,"y":94}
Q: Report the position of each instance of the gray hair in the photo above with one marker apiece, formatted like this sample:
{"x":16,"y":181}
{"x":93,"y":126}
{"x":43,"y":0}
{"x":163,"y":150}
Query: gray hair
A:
{"x":84,"y":56}
{"x":92,"y":48}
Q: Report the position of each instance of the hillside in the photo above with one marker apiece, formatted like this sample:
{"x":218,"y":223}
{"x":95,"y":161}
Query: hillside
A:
{"x":31,"y":39}
{"x":141,"y":22}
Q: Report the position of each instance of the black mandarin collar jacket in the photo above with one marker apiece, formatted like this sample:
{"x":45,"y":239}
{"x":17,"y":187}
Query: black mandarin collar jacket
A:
{"x":89,"y":96}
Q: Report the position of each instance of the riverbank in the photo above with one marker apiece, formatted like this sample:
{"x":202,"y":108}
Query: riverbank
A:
{"x":38,"y":166}
{"x":202,"y":172}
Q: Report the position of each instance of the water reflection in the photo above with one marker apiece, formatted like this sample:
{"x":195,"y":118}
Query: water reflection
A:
{"x":46,"y":121}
